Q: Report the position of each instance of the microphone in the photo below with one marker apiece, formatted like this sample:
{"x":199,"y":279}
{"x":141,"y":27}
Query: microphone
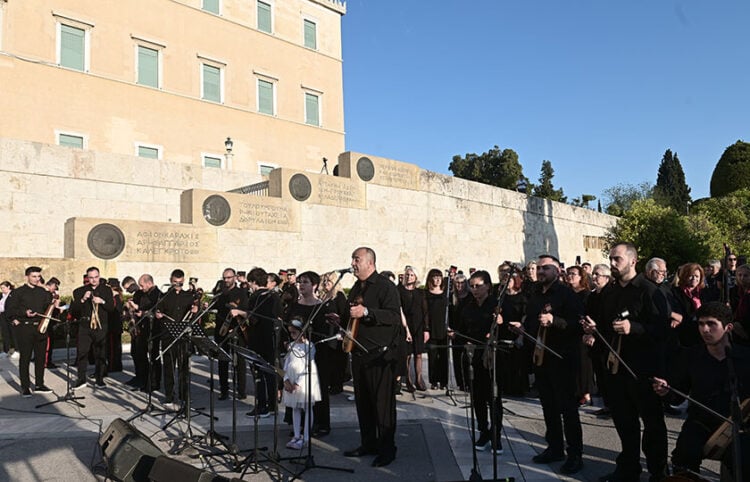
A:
{"x":337,"y":336}
{"x":344,"y":270}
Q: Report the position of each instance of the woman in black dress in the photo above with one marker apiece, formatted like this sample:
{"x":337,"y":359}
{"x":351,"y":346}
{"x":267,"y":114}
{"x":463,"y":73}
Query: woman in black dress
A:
{"x":436,"y":312}
{"x":414,"y":307}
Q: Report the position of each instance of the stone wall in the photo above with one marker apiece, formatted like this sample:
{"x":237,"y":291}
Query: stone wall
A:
{"x":67,"y":209}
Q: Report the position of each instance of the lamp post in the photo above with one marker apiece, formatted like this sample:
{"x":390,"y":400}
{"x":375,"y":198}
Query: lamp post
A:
{"x":228,"y":145}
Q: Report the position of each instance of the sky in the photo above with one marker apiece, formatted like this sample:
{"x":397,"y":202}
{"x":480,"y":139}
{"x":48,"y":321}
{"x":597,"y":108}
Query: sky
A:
{"x":599,"y":88}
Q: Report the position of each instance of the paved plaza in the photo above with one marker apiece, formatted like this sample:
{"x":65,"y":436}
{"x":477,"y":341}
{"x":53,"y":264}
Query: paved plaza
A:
{"x":60,"y":441}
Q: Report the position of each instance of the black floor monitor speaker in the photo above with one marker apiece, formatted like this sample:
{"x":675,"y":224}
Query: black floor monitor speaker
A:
{"x":166,"y":469}
{"x":128,"y":453}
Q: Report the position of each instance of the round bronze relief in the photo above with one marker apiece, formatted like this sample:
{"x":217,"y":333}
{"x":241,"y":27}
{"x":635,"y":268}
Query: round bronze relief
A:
{"x":299,"y":187}
{"x":106,"y":241}
{"x":216,"y":210}
{"x":365,"y":169}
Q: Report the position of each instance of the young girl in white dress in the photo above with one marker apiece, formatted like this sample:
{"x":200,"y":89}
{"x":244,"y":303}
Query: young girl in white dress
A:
{"x":296,"y":383}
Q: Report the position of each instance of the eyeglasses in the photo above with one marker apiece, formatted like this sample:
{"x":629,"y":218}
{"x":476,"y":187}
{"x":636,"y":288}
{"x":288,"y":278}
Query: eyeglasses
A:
{"x":598,"y":275}
{"x":475,"y":285}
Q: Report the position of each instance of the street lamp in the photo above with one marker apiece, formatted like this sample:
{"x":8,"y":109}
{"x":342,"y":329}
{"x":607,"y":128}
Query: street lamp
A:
{"x":228,"y":145}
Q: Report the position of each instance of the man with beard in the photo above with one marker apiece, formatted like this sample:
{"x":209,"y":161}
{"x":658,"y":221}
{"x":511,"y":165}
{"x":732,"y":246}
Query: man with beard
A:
{"x":263,"y":312}
{"x":553,"y":312}
{"x":140,"y":306}
{"x":231,"y":300}
{"x":374,"y":301}
{"x":640,"y":337}
{"x":90,"y":305}
{"x":172,"y":310}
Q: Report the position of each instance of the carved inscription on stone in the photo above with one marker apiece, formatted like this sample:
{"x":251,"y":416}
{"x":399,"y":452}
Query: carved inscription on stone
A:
{"x":334,"y":193}
{"x":262,"y":216}
{"x":166,"y":244}
{"x":391,"y":174}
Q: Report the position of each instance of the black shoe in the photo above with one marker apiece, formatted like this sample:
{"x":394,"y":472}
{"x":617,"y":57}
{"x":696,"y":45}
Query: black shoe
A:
{"x":80,"y":384}
{"x":572,"y":465}
{"x":321,"y":432}
{"x":618,"y":477}
{"x":51,"y":366}
{"x":42,"y":389}
{"x":100,"y":384}
{"x":484,"y":441}
{"x":383,"y":460}
{"x":91,"y":377}
{"x":133,"y":382}
{"x":242,"y":396}
{"x":547,"y":456}
{"x":671,"y":410}
{"x":335,"y":390}
{"x":262,"y":413}
{"x":603,"y":412}
{"x":26,"y":393}
{"x":223,"y":396}
{"x":360,"y":452}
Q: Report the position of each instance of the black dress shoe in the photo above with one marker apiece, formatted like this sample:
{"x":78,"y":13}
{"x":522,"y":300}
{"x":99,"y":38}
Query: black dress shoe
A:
{"x":359,"y":452}
{"x":547,"y":456}
{"x":320,"y":432}
{"x":223,"y":396}
{"x":383,"y":460}
{"x":572,"y":465}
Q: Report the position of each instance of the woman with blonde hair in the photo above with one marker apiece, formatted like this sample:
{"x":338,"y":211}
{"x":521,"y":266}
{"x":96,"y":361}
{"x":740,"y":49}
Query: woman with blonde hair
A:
{"x":414,"y":307}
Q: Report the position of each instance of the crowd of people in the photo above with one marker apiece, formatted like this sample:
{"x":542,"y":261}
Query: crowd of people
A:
{"x":563,"y":334}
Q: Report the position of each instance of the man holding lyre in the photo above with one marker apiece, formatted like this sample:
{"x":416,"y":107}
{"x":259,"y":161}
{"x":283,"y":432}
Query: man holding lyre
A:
{"x":375,"y":305}
{"x":703,"y":372}
{"x":90,"y":305}
{"x":25,"y":308}
{"x":634,"y":322}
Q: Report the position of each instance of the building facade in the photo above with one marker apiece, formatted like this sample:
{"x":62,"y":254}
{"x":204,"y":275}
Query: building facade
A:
{"x":172,"y":79}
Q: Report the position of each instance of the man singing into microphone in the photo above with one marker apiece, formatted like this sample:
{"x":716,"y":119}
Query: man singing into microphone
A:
{"x":375,"y":302}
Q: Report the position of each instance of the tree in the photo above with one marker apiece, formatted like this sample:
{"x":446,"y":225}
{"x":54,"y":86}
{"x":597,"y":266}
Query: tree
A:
{"x":732,"y":172}
{"x":584,"y":200}
{"x":545,"y":189}
{"x":671,"y":189}
{"x":620,"y":198}
{"x":495,"y":167}
{"x":660,"y":231}
{"x":731,"y":214}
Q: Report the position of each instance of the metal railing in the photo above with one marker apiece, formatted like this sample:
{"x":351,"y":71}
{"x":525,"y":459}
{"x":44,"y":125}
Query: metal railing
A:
{"x":257,"y":189}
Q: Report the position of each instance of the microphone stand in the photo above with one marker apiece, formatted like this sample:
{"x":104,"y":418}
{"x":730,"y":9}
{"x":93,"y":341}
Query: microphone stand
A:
{"x":451,"y":385}
{"x":68,"y":397}
{"x":149,"y":408}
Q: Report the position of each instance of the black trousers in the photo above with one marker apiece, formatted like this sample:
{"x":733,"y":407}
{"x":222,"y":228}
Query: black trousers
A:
{"x":91,"y":341}
{"x":30,"y":340}
{"x":9,"y":334}
{"x":556,"y":382}
{"x":482,"y":395}
{"x":630,"y":400}
{"x":114,"y":347}
{"x":141,"y":356}
{"x":325,"y":359}
{"x":375,"y":396}
{"x":240,"y":374}
{"x":176,"y":358}
{"x":437,"y":362}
